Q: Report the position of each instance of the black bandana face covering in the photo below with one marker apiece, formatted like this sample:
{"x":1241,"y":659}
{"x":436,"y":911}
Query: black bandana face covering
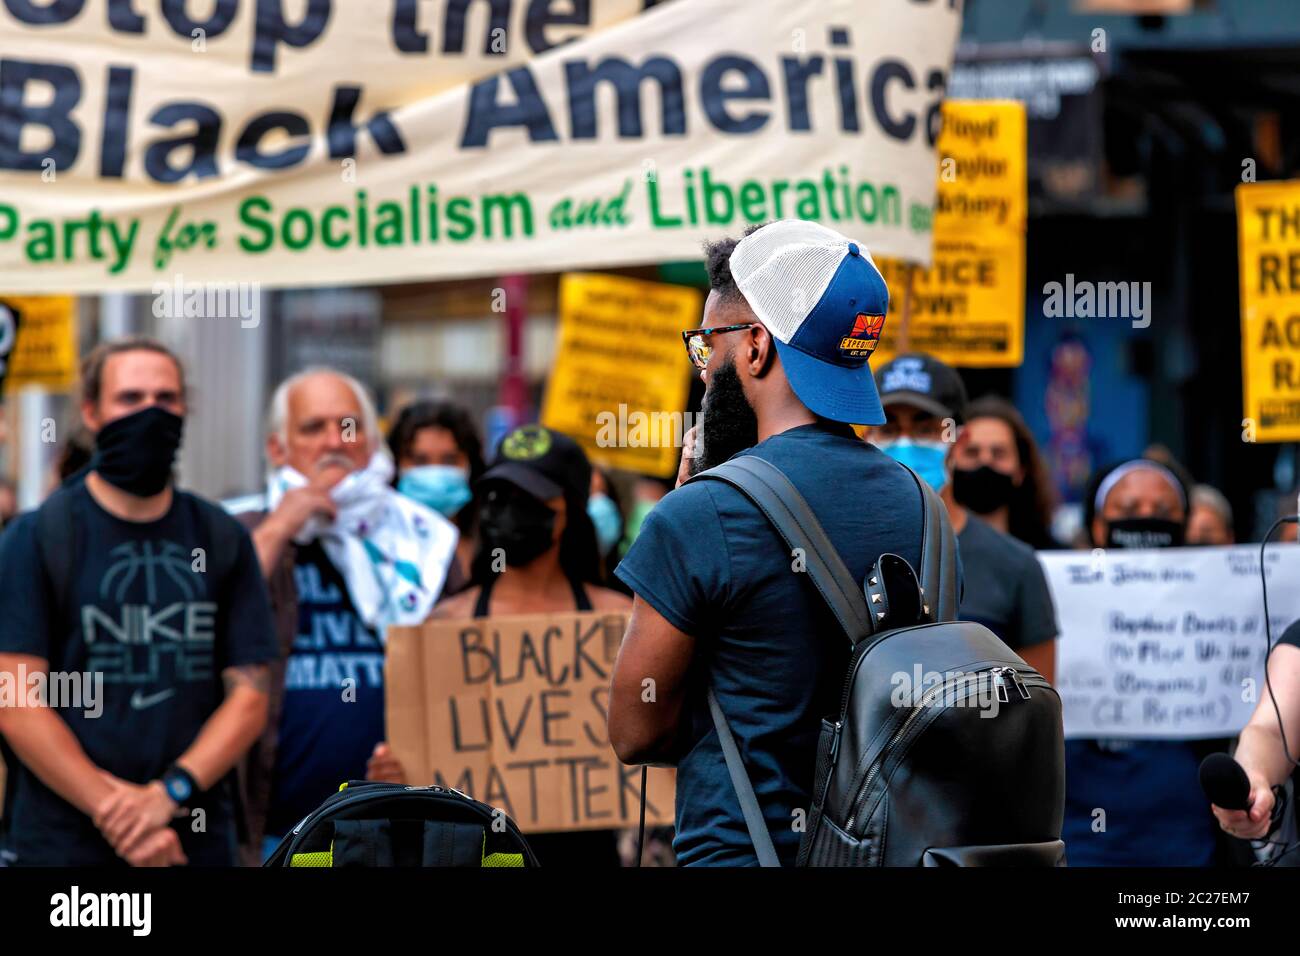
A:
{"x":1144,"y":533}
{"x":135,"y":452}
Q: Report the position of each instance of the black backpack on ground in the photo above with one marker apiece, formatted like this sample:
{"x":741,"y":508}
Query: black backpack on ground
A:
{"x":925,"y":779}
{"x":388,"y":824}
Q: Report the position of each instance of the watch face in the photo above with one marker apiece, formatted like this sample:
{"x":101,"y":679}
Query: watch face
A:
{"x":177,"y":789}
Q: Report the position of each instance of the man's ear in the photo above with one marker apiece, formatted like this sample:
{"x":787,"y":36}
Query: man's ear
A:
{"x":275,"y":450}
{"x":759,"y":351}
{"x":90,"y":417}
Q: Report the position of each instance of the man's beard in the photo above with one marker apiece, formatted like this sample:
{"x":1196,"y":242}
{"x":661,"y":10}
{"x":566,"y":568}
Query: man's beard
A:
{"x":729,"y":424}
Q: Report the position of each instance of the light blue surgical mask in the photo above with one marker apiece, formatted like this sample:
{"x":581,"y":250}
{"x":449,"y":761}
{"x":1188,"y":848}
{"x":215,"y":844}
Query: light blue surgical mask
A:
{"x":604,"y":515}
{"x":444,"y":488}
{"x":926,"y":458}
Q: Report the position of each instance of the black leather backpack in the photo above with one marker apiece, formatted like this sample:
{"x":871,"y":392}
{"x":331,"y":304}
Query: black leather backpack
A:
{"x":965,"y":767}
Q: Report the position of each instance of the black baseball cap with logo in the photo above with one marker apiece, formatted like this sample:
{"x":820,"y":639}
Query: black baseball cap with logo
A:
{"x":922,"y":381}
{"x":542,"y":462}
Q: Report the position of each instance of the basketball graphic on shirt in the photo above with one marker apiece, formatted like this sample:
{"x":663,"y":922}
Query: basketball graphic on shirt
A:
{"x":156,"y":561}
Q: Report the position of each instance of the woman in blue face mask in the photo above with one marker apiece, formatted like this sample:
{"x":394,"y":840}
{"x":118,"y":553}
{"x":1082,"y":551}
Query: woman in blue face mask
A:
{"x":606,"y":513}
{"x":439,"y":455}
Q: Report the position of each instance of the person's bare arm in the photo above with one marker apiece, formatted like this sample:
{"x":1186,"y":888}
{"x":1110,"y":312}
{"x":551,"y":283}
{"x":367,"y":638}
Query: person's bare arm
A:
{"x":47,"y":746}
{"x":1259,"y":749}
{"x":1042,"y":658}
{"x":648,"y":689}
{"x":278,"y":528}
{"x":607,"y":599}
{"x":233,"y":727}
{"x":136,"y":810}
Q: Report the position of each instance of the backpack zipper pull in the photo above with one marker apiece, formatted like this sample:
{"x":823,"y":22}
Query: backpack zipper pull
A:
{"x":1000,"y":685}
{"x":1020,"y":685}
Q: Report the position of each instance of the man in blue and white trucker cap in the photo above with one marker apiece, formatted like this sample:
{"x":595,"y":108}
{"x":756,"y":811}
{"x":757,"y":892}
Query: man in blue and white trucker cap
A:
{"x":824,"y":301}
{"x":793,"y":314}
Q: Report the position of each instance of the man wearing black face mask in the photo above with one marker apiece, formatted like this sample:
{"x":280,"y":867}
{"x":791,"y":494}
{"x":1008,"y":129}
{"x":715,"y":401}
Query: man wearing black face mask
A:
{"x":1155,"y":813}
{"x":152,"y":600}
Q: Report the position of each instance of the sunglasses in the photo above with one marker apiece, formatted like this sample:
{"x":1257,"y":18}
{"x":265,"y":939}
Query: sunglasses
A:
{"x":697,"y":346}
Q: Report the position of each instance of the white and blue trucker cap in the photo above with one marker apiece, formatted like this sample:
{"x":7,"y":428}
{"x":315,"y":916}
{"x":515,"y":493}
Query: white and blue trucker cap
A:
{"x":824,"y":301}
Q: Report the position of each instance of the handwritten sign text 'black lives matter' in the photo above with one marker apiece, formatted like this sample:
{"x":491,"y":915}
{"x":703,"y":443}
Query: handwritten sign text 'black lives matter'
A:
{"x":512,"y":711}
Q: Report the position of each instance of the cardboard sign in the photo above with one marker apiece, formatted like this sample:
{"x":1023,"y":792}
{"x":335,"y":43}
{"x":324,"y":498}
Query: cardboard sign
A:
{"x":1166,"y":644}
{"x":1268,"y":232}
{"x":45,"y":349}
{"x":621,"y":375}
{"x":391,"y":142}
{"x":512,"y":711}
{"x":968,"y":307}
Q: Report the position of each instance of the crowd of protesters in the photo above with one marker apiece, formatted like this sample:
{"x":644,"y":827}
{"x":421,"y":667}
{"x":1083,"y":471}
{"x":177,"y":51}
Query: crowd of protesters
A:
{"x":222,"y":671}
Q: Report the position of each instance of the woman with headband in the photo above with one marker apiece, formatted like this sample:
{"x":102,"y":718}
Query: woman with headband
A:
{"x":1152,"y":810}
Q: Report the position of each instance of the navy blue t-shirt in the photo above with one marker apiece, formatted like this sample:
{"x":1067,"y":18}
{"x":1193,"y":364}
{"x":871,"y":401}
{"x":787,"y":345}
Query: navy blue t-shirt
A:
{"x":1149,"y":790}
{"x":711,"y":564}
{"x":151,"y":618}
{"x":333,"y":695}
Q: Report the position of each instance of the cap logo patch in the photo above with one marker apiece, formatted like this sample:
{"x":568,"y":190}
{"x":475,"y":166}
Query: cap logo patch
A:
{"x":864,"y":338}
{"x":906,"y":375}
{"x":526,"y":443}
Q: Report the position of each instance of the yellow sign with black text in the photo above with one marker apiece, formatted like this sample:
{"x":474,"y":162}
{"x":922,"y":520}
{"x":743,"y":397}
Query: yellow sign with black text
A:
{"x":1268,"y":233}
{"x":45,"y":349}
{"x":620,"y":380}
{"x":968,"y":307}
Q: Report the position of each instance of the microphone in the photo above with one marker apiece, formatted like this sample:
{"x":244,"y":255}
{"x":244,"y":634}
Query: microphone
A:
{"x":1225,"y":782}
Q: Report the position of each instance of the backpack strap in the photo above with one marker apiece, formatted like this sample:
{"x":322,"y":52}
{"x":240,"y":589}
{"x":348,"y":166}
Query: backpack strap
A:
{"x":56,"y":545}
{"x":765,"y":485}
{"x":222,"y":533}
{"x":938,"y":572}
{"x":754,"y":821}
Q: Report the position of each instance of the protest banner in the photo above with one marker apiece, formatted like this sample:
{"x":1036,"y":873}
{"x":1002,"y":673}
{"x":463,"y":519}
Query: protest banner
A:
{"x":968,"y":307}
{"x":1268,"y":233}
{"x":44,"y":347}
{"x":263,"y":143}
{"x":621,"y":376}
{"x":1166,"y":644}
{"x":511,"y":710}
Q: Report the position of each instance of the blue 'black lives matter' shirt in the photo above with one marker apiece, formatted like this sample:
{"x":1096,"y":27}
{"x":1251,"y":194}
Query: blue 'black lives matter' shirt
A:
{"x":333,"y":695}
{"x":711,"y":564}
{"x":159,"y":625}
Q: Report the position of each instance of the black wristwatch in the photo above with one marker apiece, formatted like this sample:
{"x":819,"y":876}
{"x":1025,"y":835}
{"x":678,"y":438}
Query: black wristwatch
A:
{"x":179,"y":784}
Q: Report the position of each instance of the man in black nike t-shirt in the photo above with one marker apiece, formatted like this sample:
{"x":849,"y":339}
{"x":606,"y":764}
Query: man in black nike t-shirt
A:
{"x":142,"y":610}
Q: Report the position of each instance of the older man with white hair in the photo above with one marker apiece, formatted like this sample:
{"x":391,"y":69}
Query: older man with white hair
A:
{"x":344,"y":556}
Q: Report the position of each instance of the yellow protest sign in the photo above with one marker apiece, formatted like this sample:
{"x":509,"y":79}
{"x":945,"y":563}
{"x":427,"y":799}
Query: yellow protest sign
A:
{"x":968,"y":307}
{"x":1268,"y":234}
{"x":621,"y":375}
{"x":45,"y":350}
{"x":511,"y":710}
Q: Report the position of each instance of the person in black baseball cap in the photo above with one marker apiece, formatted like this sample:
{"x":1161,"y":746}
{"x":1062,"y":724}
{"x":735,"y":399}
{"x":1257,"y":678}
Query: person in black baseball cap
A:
{"x":537,"y":546}
{"x":924,"y":402}
{"x":537,"y":554}
{"x":925,"y":428}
